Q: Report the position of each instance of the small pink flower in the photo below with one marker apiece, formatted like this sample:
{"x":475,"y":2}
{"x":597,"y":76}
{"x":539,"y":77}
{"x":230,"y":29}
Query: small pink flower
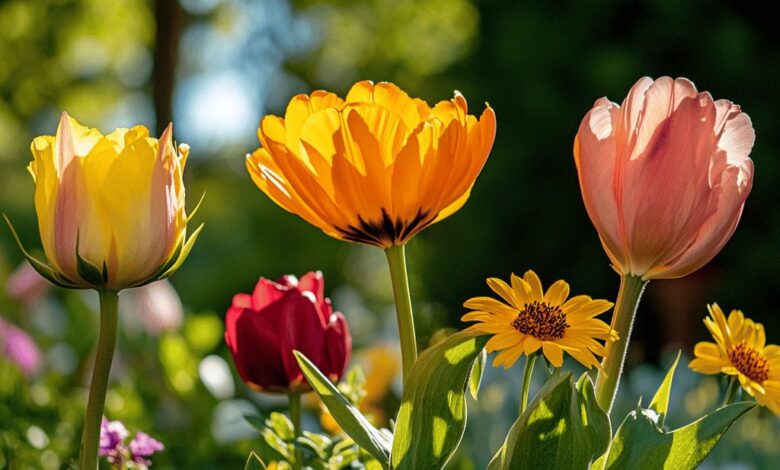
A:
{"x":19,"y":348}
{"x":664,"y":177}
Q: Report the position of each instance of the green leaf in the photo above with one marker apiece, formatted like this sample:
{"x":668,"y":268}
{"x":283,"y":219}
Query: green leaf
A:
{"x":640,"y":443}
{"x":282,"y":426}
{"x":254,"y":462}
{"x":273,"y":447}
{"x":660,"y":402}
{"x":365,"y":435}
{"x":563,"y":427}
{"x":432,"y":416}
{"x":475,"y":379}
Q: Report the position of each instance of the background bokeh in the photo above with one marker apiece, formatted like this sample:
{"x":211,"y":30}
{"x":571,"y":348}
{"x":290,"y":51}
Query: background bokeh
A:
{"x":214,"y":67}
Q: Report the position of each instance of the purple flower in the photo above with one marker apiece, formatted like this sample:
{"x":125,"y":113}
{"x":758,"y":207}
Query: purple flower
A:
{"x":144,"y":445}
{"x":112,"y":437}
{"x":121,"y":455}
{"x":18,"y":347}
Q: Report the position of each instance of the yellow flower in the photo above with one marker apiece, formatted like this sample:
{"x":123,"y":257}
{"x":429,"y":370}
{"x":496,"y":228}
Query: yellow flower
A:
{"x":110,"y":208}
{"x":530,"y":319}
{"x":375,"y":168}
{"x":740,"y":350}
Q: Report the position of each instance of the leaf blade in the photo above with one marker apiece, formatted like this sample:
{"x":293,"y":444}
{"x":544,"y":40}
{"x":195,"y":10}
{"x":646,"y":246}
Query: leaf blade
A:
{"x":365,"y":435}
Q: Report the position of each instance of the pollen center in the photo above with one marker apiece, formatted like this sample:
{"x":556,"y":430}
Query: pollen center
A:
{"x":750,"y":362}
{"x":541,"y":320}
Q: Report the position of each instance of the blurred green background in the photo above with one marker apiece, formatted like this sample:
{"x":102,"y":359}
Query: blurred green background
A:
{"x":214,"y":67}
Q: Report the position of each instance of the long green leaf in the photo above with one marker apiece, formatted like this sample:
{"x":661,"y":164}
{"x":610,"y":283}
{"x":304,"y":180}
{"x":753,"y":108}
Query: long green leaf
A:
{"x":640,"y":443}
{"x":563,"y":427}
{"x":365,"y":435}
{"x":432,"y":416}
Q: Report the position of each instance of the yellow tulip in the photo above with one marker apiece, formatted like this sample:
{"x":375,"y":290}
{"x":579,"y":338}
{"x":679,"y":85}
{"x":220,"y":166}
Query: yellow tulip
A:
{"x":110,"y":208}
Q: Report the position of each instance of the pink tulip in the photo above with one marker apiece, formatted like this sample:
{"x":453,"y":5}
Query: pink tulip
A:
{"x":665,"y":176}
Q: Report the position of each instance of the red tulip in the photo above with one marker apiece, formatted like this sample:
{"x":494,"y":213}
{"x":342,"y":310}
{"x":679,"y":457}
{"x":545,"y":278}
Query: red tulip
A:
{"x":264,"y":328}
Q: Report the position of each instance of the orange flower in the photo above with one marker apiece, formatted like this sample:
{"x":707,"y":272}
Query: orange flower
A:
{"x":664,"y":177}
{"x":375,"y":168}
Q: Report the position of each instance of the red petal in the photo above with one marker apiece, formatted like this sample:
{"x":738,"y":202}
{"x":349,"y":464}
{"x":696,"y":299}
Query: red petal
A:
{"x":300,"y":329}
{"x":267,"y":292}
{"x":338,"y":347}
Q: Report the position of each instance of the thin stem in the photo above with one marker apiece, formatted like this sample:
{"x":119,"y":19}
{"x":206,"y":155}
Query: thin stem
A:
{"x":295,"y":417}
{"x":396,"y":260}
{"x":527,"y":372}
{"x":731,"y":391}
{"x":90,"y":438}
{"x":631,"y":288}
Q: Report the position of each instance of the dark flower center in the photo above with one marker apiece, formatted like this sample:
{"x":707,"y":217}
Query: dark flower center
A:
{"x":541,"y":320}
{"x":385,"y":232}
{"x":750,"y":362}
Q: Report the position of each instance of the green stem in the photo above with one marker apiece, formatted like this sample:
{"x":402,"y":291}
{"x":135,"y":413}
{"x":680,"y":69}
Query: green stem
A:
{"x":527,"y":372}
{"x":630,"y":292}
{"x":731,"y":391}
{"x":109,"y":302}
{"x":396,"y":260}
{"x":295,"y":417}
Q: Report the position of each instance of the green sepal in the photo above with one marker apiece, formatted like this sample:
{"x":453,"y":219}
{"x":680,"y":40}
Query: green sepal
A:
{"x":354,"y":424}
{"x":88,"y":271}
{"x":183,"y":254}
{"x":432,"y":416}
{"x":44,"y":269}
{"x":197,"y":207}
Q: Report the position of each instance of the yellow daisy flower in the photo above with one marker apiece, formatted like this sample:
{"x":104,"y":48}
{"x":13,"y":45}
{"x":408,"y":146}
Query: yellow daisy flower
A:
{"x":530,"y":319}
{"x":740,"y":350}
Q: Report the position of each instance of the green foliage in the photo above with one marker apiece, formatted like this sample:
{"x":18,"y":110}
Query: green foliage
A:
{"x":563,"y":427}
{"x":432,"y":416}
{"x":38,"y":426}
{"x":641,"y":441}
{"x":357,"y":426}
{"x":278,"y":444}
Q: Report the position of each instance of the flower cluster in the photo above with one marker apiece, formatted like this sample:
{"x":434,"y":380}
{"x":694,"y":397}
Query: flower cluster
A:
{"x":119,"y":453}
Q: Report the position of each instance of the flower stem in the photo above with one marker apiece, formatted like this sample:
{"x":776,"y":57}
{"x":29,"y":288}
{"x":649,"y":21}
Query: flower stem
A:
{"x":90,"y":438}
{"x":295,"y":417}
{"x":731,"y":391}
{"x":527,"y":372}
{"x":631,"y":288}
{"x":396,"y":260}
